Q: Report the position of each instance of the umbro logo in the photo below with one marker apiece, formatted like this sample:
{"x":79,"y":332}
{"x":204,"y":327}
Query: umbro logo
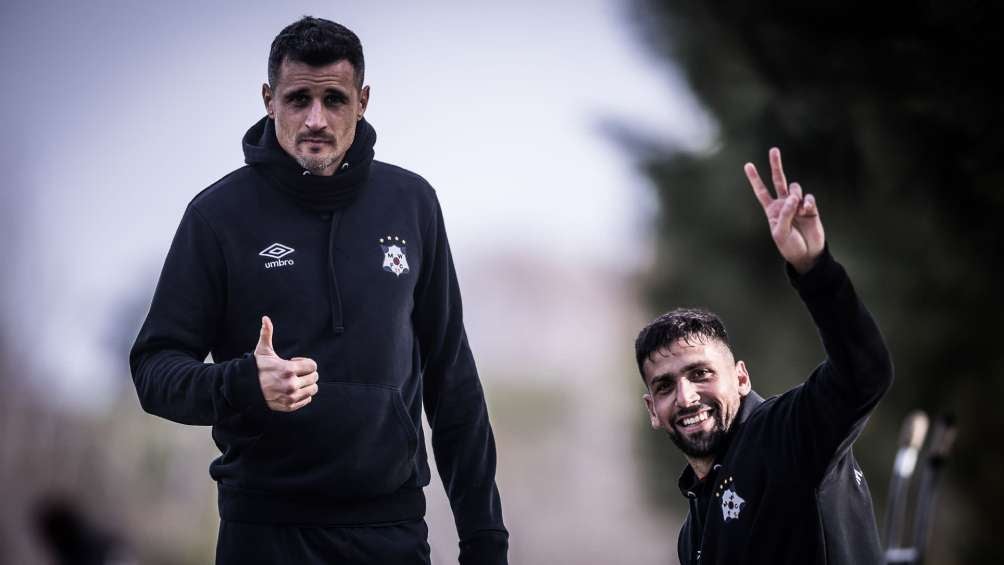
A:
{"x":277,"y":251}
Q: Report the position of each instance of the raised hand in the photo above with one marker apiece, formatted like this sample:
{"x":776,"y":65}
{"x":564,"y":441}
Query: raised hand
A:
{"x":287,"y":385}
{"x":793,"y":219}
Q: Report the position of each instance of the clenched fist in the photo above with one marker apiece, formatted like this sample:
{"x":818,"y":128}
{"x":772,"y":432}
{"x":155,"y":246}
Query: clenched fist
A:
{"x":288,"y":385}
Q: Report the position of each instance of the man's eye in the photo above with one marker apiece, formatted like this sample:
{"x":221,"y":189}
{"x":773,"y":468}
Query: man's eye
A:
{"x":334,"y":100}
{"x":299,"y":100}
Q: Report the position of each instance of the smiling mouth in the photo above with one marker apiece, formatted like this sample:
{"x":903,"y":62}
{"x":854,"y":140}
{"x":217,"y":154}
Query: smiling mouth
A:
{"x":694,"y":420}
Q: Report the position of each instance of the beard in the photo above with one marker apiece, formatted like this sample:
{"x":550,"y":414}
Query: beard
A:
{"x":702,"y":443}
{"x":316,"y":165}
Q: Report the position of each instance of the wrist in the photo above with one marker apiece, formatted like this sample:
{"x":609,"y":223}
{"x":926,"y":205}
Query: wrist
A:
{"x":804,"y":266}
{"x":243,"y":387}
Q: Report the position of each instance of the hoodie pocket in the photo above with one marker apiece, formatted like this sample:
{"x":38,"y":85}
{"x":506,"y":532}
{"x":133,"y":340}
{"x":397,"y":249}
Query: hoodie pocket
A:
{"x":353,"y":440}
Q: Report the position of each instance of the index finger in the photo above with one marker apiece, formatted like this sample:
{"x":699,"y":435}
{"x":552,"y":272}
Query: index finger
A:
{"x":759,"y":189}
{"x":777,"y":172}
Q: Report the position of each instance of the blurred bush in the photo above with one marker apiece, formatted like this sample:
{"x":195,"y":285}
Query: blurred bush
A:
{"x":890,"y":115}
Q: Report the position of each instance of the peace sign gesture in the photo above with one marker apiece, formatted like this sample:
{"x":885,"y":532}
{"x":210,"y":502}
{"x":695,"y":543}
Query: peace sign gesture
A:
{"x":794,"y":220}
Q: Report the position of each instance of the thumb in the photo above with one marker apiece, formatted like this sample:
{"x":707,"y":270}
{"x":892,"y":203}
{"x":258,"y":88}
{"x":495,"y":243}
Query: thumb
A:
{"x":264,"y":346}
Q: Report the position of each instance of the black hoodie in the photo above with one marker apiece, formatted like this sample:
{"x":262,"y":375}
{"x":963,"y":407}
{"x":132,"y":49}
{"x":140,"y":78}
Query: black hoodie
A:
{"x":786,"y":487}
{"x":355,"y":272}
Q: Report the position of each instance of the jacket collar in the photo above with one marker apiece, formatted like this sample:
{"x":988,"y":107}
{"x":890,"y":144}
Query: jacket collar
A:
{"x":688,"y":481}
{"x":748,"y":406}
{"x":314,"y":192}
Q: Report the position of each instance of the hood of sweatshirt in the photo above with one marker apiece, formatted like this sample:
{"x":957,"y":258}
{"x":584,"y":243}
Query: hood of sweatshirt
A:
{"x":314,"y":192}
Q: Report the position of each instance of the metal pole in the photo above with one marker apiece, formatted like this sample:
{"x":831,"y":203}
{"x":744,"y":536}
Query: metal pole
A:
{"x":911,"y":439}
{"x":942,"y":441}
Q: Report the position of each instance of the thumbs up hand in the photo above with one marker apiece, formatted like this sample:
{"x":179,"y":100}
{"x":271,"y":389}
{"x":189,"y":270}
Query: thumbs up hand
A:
{"x":287,"y":385}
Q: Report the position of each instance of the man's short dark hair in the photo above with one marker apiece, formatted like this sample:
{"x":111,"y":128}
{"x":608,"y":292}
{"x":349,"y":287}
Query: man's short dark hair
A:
{"x":681,"y":323}
{"x":315,"y":42}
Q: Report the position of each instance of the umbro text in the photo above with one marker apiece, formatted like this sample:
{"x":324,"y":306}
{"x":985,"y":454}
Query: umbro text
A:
{"x":278,"y":263}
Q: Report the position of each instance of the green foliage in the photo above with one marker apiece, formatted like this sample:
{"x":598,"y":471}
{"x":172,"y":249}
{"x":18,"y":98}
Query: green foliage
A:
{"x":891,"y":117}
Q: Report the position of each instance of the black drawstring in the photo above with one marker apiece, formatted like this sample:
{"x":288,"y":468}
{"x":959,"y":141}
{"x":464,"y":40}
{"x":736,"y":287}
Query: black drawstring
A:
{"x":336,"y":297}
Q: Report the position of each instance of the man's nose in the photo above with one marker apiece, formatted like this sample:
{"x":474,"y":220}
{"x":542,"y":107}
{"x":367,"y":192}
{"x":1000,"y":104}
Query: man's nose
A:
{"x":686,"y":393}
{"x":315,"y":116}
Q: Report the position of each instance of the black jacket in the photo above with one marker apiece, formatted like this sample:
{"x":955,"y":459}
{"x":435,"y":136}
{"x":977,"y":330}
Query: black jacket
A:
{"x":386,"y":341}
{"x":786,"y":487}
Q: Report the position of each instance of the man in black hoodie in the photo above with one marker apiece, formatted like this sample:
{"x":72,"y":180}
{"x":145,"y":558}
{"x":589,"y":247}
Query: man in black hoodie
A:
{"x":772,"y":481}
{"x":338,"y":266}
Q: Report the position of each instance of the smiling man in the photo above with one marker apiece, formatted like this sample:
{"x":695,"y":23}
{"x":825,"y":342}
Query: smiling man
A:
{"x":338,"y":266}
{"x":772,"y":481}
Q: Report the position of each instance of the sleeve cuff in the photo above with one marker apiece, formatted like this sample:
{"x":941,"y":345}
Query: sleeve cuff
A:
{"x":825,"y":276}
{"x":243,"y":390}
{"x":485,"y":548}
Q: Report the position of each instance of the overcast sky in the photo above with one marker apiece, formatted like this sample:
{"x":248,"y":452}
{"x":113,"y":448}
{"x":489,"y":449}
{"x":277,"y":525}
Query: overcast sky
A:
{"x":119,"y":112}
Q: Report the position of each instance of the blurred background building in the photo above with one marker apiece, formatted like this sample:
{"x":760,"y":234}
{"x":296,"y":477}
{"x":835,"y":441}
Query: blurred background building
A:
{"x":588,"y":158}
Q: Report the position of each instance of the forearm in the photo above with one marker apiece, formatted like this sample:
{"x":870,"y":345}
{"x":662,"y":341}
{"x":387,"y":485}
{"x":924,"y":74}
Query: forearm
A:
{"x":464,"y":447}
{"x":173,"y":385}
{"x":183,"y":324}
{"x":859,"y":369}
{"x":820,"y":419}
{"x":462,"y":437}
{"x":476,"y":505}
{"x":465,"y":454}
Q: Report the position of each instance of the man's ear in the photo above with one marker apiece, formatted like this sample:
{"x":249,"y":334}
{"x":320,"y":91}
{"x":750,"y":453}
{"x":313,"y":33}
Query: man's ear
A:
{"x":653,"y":420}
{"x":745,"y":385}
{"x":266,"y":97}
{"x":364,"y":99}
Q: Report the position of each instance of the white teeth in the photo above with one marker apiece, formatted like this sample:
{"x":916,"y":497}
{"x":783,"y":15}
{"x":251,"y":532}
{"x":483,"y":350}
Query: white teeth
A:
{"x":695,"y":419}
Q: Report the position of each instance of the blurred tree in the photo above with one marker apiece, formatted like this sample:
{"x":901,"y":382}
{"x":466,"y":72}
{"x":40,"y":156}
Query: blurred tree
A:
{"x":891,"y":116}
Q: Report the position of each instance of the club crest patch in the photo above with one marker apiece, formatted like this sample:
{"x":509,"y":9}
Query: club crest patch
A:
{"x":732,"y":503}
{"x":395,"y":259}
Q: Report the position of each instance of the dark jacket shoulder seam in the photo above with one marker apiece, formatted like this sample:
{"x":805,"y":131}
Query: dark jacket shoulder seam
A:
{"x":410,"y":175}
{"x":218,"y":181}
